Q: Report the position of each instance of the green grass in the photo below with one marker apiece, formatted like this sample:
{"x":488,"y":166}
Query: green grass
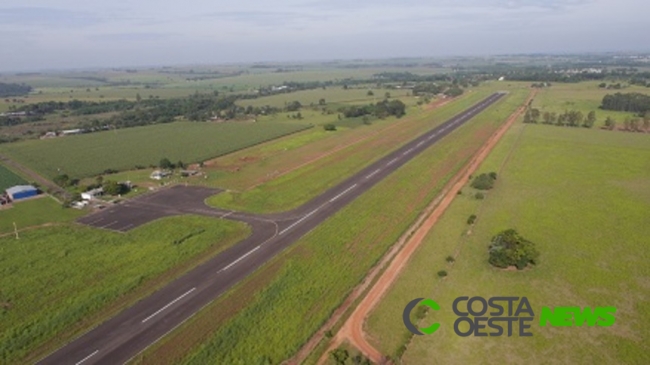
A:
{"x":91,"y":154}
{"x":35,"y":212}
{"x":8,"y":179}
{"x":297,"y":187}
{"x":581,"y":196}
{"x":317,"y":272}
{"x":57,"y":281}
{"x":333,"y":94}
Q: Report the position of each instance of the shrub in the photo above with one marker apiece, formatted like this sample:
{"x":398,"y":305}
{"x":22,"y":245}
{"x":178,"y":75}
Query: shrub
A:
{"x":450,"y":259}
{"x":329,"y":127}
{"x":479,"y":196}
{"x":442,"y":273}
{"x":484,"y":181}
{"x":471,"y":219}
{"x":459,"y":192}
{"x":508,"y":248}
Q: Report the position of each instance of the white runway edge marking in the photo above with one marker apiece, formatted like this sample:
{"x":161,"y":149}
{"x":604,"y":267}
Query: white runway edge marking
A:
{"x":241,"y":258}
{"x":391,"y":162}
{"x":343,"y":193}
{"x":168,"y":305}
{"x":87,"y":357}
{"x":373,"y":174}
{"x":300,"y":220}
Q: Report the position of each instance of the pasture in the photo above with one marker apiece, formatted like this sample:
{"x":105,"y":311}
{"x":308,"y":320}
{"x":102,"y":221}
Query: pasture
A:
{"x":58,"y":281}
{"x":8,"y":179}
{"x":581,"y":196}
{"x":310,"y":279}
{"x":123,"y":149}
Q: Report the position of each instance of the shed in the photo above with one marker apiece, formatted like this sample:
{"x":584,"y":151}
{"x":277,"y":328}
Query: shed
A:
{"x":91,"y":194}
{"x":21,"y":192}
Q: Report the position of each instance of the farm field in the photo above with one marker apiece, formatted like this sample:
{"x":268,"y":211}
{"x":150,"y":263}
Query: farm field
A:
{"x":104,"y":272}
{"x":553,"y":187}
{"x":9,"y":178}
{"x":310,"y":279}
{"x":35,"y":212}
{"x":91,"y":154}
{"x":332,"y":95}
{"x":297,"y":187}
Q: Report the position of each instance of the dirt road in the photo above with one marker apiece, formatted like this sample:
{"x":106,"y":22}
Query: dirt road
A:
{"x":352,"y":330}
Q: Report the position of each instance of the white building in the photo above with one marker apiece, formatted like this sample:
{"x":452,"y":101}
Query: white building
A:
{"x":159,"y":175}
{"x":92,"y":194}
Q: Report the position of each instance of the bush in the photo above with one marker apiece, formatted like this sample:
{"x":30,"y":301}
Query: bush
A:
{"x":450,"y":259}
{"x":479,"y":196}
{"x":459,"y":192}
{"x":508,"y":248}
{"x":442,"y":273}
{"x":471,"y":219}
{"x":484,"y":181}
{"x":329,"y":127}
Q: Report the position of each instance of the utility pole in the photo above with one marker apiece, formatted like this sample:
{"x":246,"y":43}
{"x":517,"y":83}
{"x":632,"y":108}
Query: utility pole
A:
{"x":16,"y":230}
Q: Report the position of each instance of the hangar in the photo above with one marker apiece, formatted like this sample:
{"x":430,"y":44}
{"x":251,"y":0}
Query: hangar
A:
{"x":21,"y":192}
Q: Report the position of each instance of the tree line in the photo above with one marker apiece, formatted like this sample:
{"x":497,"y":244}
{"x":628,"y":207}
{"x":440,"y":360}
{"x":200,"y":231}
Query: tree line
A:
{"x":629,"y":102}
{"x":570,"y":118}
{"x":14,"y":89}
{"x":382,"y":109}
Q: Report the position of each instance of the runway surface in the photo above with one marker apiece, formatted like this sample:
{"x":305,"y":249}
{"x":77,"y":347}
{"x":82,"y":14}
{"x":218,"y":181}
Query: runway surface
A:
{"x":137,"y":327}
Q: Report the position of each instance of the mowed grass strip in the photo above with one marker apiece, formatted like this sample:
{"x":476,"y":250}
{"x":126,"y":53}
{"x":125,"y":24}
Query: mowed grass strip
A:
{"x":293,"y":295}
{"x":57,"y":282}
{"x":8,"y":179}
{"x":35,"y":212}
{"x":122,"y":149}
{"x":582,"y":197}
{"x":295,"y":188}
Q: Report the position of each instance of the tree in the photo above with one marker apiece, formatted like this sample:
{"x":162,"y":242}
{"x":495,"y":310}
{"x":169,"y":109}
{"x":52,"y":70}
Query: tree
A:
{"x":329,"y":127}
{"x":165,"y":164}
{"x":646,"y":121}
{"x":62,"y":180}
{"x":508,"y":248}
{"x":534,"y":114}
{"x":483,"y":182}
{"x":113,"y":188}
{"x":387,"y":95}
{"x":610,"y":123}
{"x":293,"y":106}
{"x":370,"y":93}
{"x":321,"y":101}
{"x":546,"y":117}
{"x":528,"y":117}
{"x":591,"y":120}
{"x":138,"y":98}
{"x":180,"y":164}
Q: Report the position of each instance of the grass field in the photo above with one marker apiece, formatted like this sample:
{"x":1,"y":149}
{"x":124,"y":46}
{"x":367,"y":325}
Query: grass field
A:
{"x":333,"y":94}
{"x":581,"y":196}
{"x":8,"y":179}
{"x":58,"y":281}
{"x":35,"y":212}
{"x":297,"y":187}
{"x":90,"y":154}
{"x":290,"y":297}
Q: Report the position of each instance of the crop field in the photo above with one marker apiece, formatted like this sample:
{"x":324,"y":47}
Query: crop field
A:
{"x":8,"y":179}
{"x":91,"y":154}
{"x":333,"y":94}
{"x":56,"y":281}
{"x":311,"y":278}
{"x":297,"y":187}
{"x":582,"y":197}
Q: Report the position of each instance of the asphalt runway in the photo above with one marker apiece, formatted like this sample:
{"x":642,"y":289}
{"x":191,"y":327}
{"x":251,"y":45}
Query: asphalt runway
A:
{"x":137,"y":327}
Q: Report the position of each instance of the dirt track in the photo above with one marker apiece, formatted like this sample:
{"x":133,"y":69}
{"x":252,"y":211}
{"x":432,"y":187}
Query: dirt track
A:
{"x":352,"y":330}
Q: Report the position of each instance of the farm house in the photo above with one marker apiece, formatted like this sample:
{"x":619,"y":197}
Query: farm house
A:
{"x":21,"y":192}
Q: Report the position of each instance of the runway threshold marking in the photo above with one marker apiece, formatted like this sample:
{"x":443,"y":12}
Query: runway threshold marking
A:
{"x":241,"y":258}
{"x":169,"y":304}
{"x":298,"y":221}
{"x":87,"y":357}
{"x":373,"y":174}
{"x":343,"y":193}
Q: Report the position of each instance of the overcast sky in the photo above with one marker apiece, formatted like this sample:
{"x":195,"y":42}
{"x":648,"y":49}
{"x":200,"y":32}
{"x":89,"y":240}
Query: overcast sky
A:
{"x":44,"y":34}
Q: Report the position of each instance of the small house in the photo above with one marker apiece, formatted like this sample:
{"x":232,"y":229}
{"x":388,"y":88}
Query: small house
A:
{"x":92,"y":194}
{"x":159,"y":174}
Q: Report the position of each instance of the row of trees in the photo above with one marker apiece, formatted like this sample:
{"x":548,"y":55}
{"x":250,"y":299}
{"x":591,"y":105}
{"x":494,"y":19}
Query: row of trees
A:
{"x":14,"y":89}
{"x":381,"y":109}
{"x":570,"y":118}
{"x":630,"y":124}
{"x":629,"y":102}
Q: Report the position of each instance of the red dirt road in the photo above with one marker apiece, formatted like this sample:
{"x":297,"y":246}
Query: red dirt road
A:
{"x":352,"y":330}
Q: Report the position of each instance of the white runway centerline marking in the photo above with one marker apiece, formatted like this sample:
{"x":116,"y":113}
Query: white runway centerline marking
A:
{"x":168,"y":305}
{"x":391,"y":162}
{"x":87,"y":357}
{"x":241,"y":258}
{"x":300,"y":220}
{"x":373,"y":174}
{"x":343,"y":193}
{"x":407,"y":151}
{"x":420,"y":144}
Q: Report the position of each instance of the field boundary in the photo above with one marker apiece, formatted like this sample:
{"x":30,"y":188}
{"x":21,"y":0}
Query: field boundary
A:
{"x":352,"y":330}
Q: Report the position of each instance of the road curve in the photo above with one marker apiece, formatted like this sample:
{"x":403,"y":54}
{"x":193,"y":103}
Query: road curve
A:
{"x":120,"y":338}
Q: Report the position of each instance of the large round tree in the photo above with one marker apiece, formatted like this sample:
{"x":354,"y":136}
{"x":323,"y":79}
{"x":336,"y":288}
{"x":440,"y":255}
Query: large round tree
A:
{"x":509,"y":248}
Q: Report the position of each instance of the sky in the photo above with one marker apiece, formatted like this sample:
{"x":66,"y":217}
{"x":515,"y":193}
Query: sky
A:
{"x":63,"y":34}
